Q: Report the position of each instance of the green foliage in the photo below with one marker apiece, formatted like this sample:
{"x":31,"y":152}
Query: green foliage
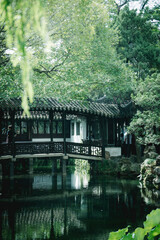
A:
{"x":20,"y":18}
{"x":119,"y":234}
{"x":145,"y":124}
{"x":151,"y":229}
{"x":81,"y":60}
{"x":139,"y":41}
{"x":82,"y":166}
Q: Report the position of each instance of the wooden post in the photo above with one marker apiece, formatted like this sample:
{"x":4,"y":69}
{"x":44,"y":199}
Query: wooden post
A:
{"x":115,"y":125}
{"x":118,"y":121}
{"x":1,"y":117}
{"x":63,"y":173}
{"x":51,"y":124}
{"x":64,"y":131}
{"x":1,"y":171}
{"x":102,"y":129}
{"x":29,"y":126}
{"x":63,"y":166}
{"x":11,"y":169}
{"x":89,"y":133}
{"x":13,"y":149}
{"x":114,"y":132}
{"x":30,"y":166}
{"x":1,"y":212}
{"x":54,"y":166}
{"x":106,"y":127}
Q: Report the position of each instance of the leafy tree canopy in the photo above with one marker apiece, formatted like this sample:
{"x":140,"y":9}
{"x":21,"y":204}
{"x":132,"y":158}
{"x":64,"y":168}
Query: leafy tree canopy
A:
{"x":80,"y":58}
{"x":139,"y":41}
{"x":146,"y":123}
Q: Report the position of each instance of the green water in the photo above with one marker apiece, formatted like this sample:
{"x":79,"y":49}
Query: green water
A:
{"x":77,"y":206}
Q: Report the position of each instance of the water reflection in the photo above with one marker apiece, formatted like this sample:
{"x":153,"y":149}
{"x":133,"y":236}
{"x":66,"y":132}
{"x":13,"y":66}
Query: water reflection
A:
{"x":74,"y":206}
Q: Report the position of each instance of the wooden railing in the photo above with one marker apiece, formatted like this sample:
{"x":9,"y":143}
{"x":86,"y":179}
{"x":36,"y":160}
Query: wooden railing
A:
{"x":19,"y":148}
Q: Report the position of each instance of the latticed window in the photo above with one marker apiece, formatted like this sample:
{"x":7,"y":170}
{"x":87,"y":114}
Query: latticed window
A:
{"x":34,"y":127}
{"x":77,"y":128}
{"x":72,"y":129}
{"x":47,"y":127}
{"x":57,"y":127}
{"x":40,"y":127}
{"x":54,"y":127}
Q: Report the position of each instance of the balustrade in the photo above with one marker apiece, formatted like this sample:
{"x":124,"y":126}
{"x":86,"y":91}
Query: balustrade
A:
{"x":19,"y":148}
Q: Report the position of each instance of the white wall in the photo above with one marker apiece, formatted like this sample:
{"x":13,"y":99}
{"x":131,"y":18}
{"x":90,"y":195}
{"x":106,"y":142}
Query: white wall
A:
{"x":114,"y":151}
{"x":83,"y":127}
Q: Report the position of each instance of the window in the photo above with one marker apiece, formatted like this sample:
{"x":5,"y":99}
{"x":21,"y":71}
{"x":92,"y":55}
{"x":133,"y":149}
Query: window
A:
{"x":40,"y":127}
{"x":34,"y":128}
{"x":72,"y":128}
{"x":110,"y":131}
{"x":18,"y":127}
{"x":23,"y":127}
{"x":68,"y":128}
{"x":59,"y":127}
{"x":47,"y":127}
{"x":77,"y":128}
{"x":54,"y":127}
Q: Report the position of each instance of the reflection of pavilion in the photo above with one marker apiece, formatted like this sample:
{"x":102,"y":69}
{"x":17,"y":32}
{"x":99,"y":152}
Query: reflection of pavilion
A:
{"x":63,"y":214}
{"x":47,"y":181}
{"x":29,"y":223}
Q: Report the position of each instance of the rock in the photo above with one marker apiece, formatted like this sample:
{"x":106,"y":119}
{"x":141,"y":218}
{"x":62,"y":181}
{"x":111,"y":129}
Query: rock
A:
{"x":135,"y":168}
{"x":157,"y":170}
{"x":158,"y":160}
{"x":157,"y":194}
{"x":152,"y":155}
{"x":125,"y":169}
{"x":149,"y":162}
{"x":107,"y":155}
{"x":149,"y":149}
{"x":156,"y":180}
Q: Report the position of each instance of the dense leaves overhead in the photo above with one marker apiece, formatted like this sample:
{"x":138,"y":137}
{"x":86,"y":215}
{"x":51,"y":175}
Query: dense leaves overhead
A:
{"x":139,"y":42}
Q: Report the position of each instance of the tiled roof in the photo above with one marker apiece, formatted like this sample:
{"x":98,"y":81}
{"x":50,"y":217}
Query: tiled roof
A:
{"x":48,"y":103}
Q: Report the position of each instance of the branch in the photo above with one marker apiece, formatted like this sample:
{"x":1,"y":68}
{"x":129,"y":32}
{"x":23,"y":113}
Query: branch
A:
{"x":53,"y":69}
{"x":121,"y":5}
{"x":144,"y":4}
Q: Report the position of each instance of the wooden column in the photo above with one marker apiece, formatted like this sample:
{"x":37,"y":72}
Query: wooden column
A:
{"x":63,"y":166}
{"x":1,"y":117}
{"x":11,"y":169}
{"x":64,"y":131}
{"x":114,"y":132}
{"x":51,"y":124}
{"x":0,"y":170}
{"x":29,"y":126}
{"x":89,"y":134}
{"x":115,"y":125}
{"x":118,"y":121}
{"x":106,"y":124}
{"x":102,"y":129}
{"x":12,"y":115}
{"x":30,"y":166}
{"x":63,"y":173}
{"x":54,"y":182}
{"x":54,"y":166}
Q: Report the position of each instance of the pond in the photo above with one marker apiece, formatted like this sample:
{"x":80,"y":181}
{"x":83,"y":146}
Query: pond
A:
{"x":75,"y":206}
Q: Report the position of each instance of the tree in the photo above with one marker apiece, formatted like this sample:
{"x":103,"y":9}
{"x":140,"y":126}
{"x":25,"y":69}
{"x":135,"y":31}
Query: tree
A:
{"x":81,"y":60}
{"x":146,"y":123}
{"x":19,"y":19}
{"x":139,"y":42}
